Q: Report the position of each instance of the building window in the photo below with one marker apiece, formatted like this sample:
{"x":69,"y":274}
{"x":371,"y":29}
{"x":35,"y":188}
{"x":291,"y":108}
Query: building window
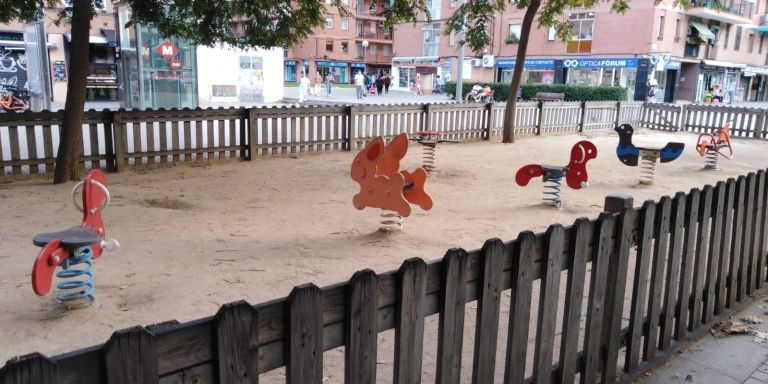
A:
{"x":359,"y":29}
{"x":581,"y":32}
{"x":677,"y":30}
{"x":660,"y":36}
{"x":737,"y":43}
{"x":431,"y":39}
{"x":551,"y":34}
{"x":453,"y":3}
{"x":359,"y":51}
{"x":372,"y":27}
{"x":434,"y":8}
{"x":345,"y":23}
{"x":515,"y":33}
{"x":372,"y":49}
{"x":344,"y":47}
{"x":727,"y":36}
{"x":750,"y":42}
{"x":359,"y":7}
{"x":329,"y":22}
{"x":760,"y":47}
{"x":329,"y":45}
{"x":385,"y":50}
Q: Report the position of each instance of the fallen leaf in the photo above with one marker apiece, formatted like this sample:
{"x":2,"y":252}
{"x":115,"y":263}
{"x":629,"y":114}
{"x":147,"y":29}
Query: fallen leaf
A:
{"x":724,"y":328}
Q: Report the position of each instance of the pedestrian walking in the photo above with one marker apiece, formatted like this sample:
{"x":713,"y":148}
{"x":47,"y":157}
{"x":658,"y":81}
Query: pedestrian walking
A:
{"x":303,"y":87}
{"x":387,"y":82}
{"x":731,"y":91}
{"x":418,"y":84}
{"x":328,"y":83}
{"x":360,"y":84}
{"x":318,"y":83}
{"x":379,"y":84}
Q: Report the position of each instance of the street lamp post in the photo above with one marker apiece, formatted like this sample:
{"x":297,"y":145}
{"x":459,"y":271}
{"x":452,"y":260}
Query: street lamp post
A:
{"x":365,"y":47}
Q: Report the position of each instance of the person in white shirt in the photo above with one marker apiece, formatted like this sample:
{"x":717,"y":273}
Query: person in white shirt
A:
{"x":360,"y":84}
{"x":303,"y":87}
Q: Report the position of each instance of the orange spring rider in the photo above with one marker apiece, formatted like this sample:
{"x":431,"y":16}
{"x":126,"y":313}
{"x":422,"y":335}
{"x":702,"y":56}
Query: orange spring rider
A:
{"x":711,"y":146}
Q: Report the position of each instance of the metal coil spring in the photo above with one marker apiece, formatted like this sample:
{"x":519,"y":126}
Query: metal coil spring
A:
{"x":711,"y":159}
{"x":77,"y":279}
{"x":428,"y":157}
{"x":648,"y":168}
{"x":552,"y":188}
{"x":391,"y":221}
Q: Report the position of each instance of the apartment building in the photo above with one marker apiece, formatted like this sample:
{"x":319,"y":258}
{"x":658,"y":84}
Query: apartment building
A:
{"x":345,"y":44}
{"x":684,"y":52}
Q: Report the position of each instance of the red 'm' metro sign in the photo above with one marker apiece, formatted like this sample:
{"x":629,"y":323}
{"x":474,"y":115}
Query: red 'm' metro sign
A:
{"x":167,"y":50}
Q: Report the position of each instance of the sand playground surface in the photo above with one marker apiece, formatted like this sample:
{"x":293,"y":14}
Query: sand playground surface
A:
{"x":196,"y":237}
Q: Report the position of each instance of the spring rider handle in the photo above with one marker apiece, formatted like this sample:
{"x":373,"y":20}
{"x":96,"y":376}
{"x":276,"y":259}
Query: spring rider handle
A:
{"x":78,"y":244}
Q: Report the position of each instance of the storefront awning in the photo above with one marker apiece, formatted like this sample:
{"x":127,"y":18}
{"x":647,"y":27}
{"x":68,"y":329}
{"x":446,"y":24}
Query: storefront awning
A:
{"x":91,"y":39}
{"x":761,"y":29}
{"x":723,"y":64}
{"x":14,"y":44}
{"x":704,"y":32}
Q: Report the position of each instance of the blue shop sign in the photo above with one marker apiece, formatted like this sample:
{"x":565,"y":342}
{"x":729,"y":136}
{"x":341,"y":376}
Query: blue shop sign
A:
{"x":331,"y":64}
{"x":357,"y":65}
{"x":290,"y":62}
{"x":673,"y":64}
{"x":529,"y":63}
{"x":613,"y":62}
{"x":306,"y":63}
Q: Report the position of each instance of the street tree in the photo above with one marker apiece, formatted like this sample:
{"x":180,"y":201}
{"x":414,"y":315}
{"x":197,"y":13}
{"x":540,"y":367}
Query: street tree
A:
{"x":476,"y":18}
{"x":267,"y":24}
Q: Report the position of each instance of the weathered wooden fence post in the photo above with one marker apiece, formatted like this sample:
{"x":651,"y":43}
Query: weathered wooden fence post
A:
{"x":130,"y":356}
{"x":618,"y":114}
{"x":682,"y":118}
{"x":32,"y":368}
{"x":253,"y":135}
{"x":427,"y":121}
{"x":583,"y":117}
{"x":118,"y":129}
{"x":349,"y":135}
{"x":760,"y":125}
{"x":237,"y":343}
{"x":490,"y":121}
{"x":540,"y":121}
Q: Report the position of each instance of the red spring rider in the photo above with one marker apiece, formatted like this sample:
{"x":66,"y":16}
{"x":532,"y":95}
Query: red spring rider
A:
{"x":75,"y":248}
{"x":711,"y":146}
{"x":575,"y":173}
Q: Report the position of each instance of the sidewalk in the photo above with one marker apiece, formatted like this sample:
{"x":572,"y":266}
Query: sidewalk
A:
{"x":349,"y":96}
{"x":734,"y":359}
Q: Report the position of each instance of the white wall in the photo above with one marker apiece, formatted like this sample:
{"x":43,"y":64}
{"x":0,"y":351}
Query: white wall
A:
{"x":220,"y":66}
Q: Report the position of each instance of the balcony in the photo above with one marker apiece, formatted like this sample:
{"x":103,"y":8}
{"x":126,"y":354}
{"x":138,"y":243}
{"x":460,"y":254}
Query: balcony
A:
{"x":371,"y":10}
{"x":726,"y":11}
{"x":379,"y":36}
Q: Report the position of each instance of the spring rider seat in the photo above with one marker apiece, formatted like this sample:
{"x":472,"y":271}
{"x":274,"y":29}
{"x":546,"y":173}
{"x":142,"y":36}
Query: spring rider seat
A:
{"x":74,"y":249}
{"x":429,"y":141}
{"x":629,"y":154}
{"x":575,"y":173}
{"x":383,"y":185}
{"x":710,"y":146}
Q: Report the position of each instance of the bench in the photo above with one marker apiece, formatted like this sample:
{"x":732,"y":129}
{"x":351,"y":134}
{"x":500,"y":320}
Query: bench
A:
{"x":549,"y":96}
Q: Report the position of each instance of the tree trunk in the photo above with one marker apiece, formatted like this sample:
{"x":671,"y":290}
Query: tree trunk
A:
{"x":71,"y":141}
{"x":517,"y":75}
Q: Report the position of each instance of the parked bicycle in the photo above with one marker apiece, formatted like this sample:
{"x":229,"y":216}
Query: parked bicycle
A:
{"x":13,"y":99}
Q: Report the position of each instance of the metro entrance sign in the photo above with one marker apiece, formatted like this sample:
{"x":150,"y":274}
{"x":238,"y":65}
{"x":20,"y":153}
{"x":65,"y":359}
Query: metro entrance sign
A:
{"x":619,"y":62}
{"x":167,"y":50}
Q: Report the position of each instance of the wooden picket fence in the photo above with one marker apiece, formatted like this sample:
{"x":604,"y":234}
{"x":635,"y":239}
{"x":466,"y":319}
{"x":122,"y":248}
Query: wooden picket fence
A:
{"x":744,"y":122}
{"x":120,"y":140}
{"x":683,"y":262}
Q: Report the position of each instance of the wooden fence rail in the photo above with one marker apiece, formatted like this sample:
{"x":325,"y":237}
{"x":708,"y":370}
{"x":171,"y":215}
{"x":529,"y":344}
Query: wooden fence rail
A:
{"x":120,"y":140}
{"x":697,"y":118}
{"x":683,"y":262}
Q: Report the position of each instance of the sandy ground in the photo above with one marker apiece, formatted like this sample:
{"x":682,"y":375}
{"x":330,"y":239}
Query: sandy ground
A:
{"x":194,"y":238}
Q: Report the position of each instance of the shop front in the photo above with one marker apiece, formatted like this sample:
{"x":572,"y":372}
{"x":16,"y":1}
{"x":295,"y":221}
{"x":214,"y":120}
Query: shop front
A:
{"x":535,"y":71}
{"x":290,"y":70}
{"x":714,"y":75}
{"x":759,"y":85}
{"x":614,"y":71}
{"x":356,"y":67}
{"x":157,"y":71}
{"x":428,"y":68}
{"x":338,"y":69}
{"x":665,"y":73}
{"x":13,"y":68}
